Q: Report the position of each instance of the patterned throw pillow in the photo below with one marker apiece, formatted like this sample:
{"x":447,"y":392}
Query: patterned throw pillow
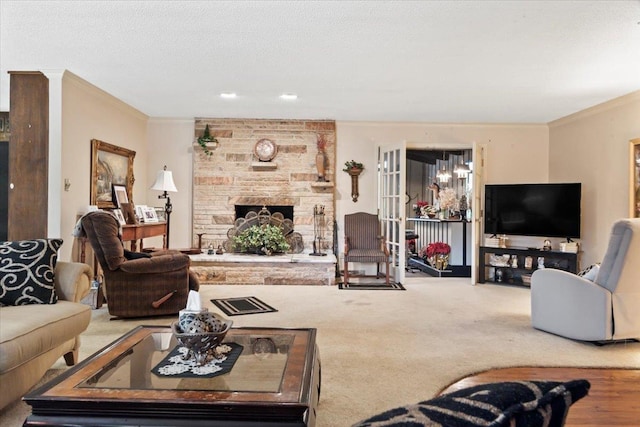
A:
{"x":27,"y":271}
{"x":517,"y":404}
{"x":590,"y":273}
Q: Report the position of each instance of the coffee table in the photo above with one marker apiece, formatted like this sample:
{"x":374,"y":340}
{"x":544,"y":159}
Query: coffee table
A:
{"x":274,"y":382}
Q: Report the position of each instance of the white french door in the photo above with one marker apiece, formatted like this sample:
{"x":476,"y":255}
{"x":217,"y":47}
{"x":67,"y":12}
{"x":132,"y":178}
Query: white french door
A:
{"x":391,"y":204}
{"x":477,"y":208}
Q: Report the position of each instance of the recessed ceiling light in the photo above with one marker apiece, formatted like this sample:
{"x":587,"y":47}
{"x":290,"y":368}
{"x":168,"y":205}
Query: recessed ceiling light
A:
{"x":289,"y":96}
{"x":228,"y":95}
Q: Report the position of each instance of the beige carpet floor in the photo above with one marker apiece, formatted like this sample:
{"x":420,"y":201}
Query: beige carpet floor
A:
{"x":380,"y":349}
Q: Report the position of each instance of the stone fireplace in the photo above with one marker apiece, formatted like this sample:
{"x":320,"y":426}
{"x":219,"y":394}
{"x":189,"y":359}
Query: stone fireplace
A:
{"x":243,"y":210}
{"x":233,"y":180}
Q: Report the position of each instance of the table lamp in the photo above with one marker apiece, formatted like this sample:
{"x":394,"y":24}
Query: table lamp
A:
{"x":164,"y":183}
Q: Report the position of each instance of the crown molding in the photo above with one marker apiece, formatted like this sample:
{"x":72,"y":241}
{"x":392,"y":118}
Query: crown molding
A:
{"x":597,"y":109}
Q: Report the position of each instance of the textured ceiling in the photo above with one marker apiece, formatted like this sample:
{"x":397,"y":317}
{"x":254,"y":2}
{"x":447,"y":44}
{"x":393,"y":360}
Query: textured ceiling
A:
{"x":427,"y":61}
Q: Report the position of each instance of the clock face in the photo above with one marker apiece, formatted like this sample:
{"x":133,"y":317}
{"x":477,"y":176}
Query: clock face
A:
{"x":265,"y":150}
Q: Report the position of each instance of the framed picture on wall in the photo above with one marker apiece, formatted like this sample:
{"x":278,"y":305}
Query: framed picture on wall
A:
{"x":110,"y":165}
{"x":634,"y":178}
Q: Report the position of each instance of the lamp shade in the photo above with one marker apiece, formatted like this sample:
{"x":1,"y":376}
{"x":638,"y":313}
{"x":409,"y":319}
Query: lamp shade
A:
{"x":164,"y":181}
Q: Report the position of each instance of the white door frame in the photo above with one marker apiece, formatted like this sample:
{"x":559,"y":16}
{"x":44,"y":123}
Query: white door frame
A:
{"x":478,"y":154}
{"x":392,"y":160}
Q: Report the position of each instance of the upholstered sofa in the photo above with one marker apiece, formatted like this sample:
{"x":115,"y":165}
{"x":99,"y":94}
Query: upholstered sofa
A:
{"x":34,"y":336}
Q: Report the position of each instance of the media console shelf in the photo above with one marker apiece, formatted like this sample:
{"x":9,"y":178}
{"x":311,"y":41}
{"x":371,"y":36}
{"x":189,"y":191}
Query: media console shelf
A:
{"x":515,"y":265}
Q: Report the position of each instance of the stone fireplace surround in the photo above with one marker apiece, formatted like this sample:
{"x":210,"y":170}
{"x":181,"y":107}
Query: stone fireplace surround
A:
{"x":232,"y":176}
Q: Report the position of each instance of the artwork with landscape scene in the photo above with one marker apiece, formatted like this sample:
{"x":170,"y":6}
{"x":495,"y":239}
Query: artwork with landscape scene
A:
{"x":110,"y":165}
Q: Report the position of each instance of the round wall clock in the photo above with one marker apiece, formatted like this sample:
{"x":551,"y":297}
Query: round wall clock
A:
{"x":265,"y":150}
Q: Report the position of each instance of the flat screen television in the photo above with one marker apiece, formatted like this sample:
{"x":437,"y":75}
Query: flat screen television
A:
{"x":547,"y":210}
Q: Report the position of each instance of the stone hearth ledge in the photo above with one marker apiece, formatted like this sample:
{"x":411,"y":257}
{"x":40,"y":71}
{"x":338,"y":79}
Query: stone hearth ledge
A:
{"x":245,"y":269}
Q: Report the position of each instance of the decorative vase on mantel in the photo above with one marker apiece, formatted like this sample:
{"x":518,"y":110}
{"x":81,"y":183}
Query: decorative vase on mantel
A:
{"x":321,"y":157}
{"x":321,"y":161}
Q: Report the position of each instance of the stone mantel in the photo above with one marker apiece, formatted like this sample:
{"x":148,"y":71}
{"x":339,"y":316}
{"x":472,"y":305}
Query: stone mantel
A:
{"x":247,"y":269}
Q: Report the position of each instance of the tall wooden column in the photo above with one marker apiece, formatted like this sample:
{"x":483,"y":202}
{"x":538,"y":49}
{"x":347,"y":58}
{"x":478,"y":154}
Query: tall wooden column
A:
{"x":28,"y":155}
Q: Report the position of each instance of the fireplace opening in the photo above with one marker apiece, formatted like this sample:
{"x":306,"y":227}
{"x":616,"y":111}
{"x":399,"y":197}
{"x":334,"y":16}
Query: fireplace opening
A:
{"x":243,"y":210}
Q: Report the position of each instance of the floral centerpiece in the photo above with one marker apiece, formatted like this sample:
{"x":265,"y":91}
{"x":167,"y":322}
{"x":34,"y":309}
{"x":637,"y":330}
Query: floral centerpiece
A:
{"x":436,"y":254}
{"x":263,"y":239}
{"x":448,"y":200}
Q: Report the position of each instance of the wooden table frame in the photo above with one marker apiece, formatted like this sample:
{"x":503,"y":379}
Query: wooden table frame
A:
{"x":63,"y":402}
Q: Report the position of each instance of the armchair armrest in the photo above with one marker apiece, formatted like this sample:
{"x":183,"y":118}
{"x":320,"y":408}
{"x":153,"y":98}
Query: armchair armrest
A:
{"x":568,"y":305}
{"x":157,"y":264}
{"x":346,"y":245}
{"x":72,"y":280}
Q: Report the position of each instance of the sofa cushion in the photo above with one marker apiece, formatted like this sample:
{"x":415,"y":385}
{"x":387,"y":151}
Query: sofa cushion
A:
{"x":31,"y":330}
{"x":27,"y":271}
{"x":518,"y":403}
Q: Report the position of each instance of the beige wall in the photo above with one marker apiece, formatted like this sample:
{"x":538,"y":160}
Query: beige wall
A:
{"x":589,"y":147}
{"x":592,"y":147}
{"x":87,"y":113}
{"x":170,"y":143}
{"x":515,"y":153}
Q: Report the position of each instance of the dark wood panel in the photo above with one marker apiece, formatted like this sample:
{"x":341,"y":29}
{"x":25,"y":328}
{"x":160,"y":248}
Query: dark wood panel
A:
{"x":613,"y":400}
{"x":28,"y":155}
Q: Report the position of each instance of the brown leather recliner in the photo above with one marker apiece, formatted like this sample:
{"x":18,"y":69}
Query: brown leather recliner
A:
{"x":142,"y":286}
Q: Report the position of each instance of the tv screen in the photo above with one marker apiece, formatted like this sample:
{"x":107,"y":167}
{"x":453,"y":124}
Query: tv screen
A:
{"x":547,"y":210}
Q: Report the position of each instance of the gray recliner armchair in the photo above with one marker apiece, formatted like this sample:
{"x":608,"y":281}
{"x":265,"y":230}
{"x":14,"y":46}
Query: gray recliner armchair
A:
{"x":603,"y":310}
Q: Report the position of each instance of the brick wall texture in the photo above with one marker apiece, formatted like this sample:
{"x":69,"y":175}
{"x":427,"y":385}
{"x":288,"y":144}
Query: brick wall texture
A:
{"x":232,"y":175}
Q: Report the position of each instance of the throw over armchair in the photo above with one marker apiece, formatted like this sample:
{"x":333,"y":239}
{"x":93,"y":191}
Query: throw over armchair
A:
{"x":364,"y":243}
{"x":144,"y":285}
{"x":607,"y":308}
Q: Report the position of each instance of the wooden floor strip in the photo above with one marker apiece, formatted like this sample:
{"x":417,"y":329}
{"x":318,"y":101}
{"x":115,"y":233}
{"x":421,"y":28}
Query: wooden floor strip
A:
{"x":613,"y":400}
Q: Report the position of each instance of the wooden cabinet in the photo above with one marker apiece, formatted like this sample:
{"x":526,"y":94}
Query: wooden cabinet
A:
{"x":515,"y":265}
{"x":28,"y":156}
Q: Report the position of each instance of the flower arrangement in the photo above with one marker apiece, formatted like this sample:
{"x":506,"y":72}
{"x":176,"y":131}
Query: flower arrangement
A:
{"x":262,"y":239}
{"x":352,"y":164}
{"x":321,"y":142}
{"x":437,"y":248}
{"x":448,"y":199}
{"x":436,"y":254}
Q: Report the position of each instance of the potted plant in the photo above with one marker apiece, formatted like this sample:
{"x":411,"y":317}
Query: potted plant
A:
{"x":263,"y":239}
{"x":352,"y":165}
{"x":436,"y":254}
{"x":206,"y":139}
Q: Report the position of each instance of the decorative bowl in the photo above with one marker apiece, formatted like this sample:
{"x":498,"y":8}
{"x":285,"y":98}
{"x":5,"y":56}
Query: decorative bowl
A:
{"x":201,"y":333}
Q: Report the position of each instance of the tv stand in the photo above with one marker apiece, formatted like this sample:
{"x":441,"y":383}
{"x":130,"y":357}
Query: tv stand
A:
{"x":515,"y":265}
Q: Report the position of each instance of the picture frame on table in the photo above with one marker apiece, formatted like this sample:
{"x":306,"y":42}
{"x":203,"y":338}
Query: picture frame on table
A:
{"x":1,"y":124}
{"x":118,"y":214}
{"x":140,"y":212}
{"x":634,"y":178}
{"x":120,"y":195}
{"x":161,"y":213}
{"x":129,"y":213}
{"x":110,"y":165}
{"x":150,"y":214}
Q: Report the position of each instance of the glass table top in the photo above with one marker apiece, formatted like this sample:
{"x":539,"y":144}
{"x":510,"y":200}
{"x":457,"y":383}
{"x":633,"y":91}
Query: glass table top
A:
{"x":259,"y":368}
